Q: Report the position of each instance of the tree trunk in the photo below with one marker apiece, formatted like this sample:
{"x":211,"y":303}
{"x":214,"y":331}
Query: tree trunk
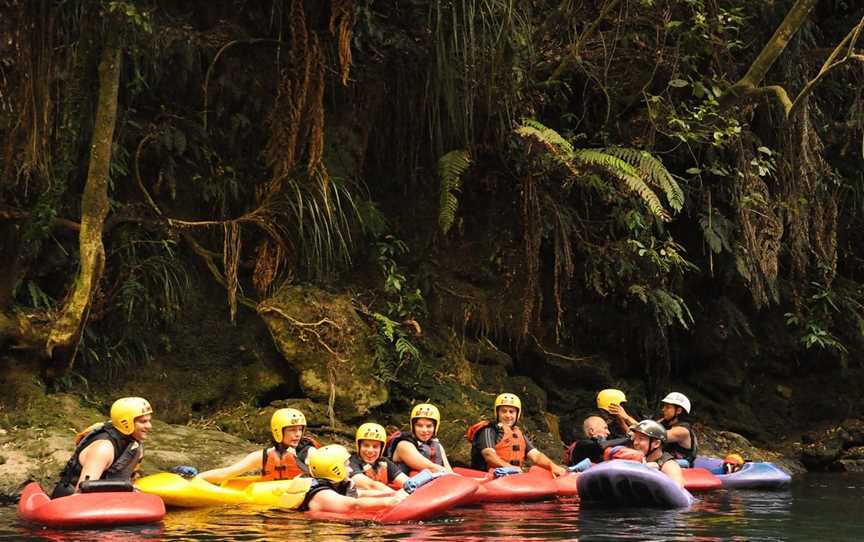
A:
{"x":749,"y":84}
{"x":65,"y":335}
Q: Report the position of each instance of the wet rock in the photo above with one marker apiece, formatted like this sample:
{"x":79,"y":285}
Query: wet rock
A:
{"x":820,"y":454}
{"x":325,"y":341}
{"x":856,"y":453}
{"x":847,"y":465}
{"x":483,"y":354}
{"x":854,"y":432}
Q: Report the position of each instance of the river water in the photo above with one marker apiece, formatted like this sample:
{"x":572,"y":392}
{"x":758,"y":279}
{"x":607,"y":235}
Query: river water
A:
{"x":817,"y":507}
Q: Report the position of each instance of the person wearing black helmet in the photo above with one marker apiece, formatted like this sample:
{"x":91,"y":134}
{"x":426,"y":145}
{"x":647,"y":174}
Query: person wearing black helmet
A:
{"x":648,"y":437}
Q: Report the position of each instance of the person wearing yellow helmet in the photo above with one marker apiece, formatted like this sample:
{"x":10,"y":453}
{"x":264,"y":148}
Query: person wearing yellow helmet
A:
{"x":111,"y":450}
{"x":332,"y":491}
{"x":502,"y":444}
{"x":611,"y":401}
{"x":370,"y":469}
{"x":282,"y":461}
{"x":419,"y":448}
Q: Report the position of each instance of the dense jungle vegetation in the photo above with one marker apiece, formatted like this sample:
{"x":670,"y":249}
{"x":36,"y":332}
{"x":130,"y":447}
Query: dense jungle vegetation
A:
{"x":657,"y":190}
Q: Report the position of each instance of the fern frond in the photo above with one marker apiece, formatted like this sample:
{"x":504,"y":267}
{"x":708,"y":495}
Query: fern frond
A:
{"x":545,"y":135}
{"x":621,"y":170}
{"x":653,"y":171}
{"x":451,"y":167}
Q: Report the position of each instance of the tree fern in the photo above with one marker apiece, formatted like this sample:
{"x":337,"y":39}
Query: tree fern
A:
{"x":635,"y":168}
{"x":621,"y":170}
{"x":653,"y":171}
{"x":451,"y":167}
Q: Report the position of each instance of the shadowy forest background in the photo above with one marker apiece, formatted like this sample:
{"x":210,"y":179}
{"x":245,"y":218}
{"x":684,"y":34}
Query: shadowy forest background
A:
{"x":367,"y":203}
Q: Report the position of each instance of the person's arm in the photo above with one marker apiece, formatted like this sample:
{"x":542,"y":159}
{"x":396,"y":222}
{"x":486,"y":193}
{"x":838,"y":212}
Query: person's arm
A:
{"x":680,"y":435}
{"x":624,"y":420}
{"x":673,"y":470}
{"x":400,"y":478}
{"x":249,"y":463}
{"x":95,"y":460}
{"x":492,"y":459}
{"x":380,"y":490}
{"x":542,"y":460}
{"x":364,"y":482}
{"x":445,"y":460}
{"x":407,"y":453}
{"x":330,"y":501}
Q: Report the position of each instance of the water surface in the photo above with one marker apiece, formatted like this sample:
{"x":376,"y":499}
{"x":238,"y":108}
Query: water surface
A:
{"x":817,"y":507}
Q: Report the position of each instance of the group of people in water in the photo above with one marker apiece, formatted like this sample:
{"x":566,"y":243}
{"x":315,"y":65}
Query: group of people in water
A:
{"x":370,"y":477}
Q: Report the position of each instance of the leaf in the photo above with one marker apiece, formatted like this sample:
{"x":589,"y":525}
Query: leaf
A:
{"x":451,"y":167}
{"x":678,"y":83}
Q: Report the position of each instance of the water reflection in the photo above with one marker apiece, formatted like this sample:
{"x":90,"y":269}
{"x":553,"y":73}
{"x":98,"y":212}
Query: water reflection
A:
{"x":816,"y":508}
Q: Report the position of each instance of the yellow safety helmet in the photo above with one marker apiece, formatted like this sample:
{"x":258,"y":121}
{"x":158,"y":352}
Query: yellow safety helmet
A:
{"x":508,"y":399}
{"x":425,"y":410}
{"x":370,"y":431}
{"x":610,"y":397}
{"x":125,"y":410}
{"x":285,"y":417}
{"x":328,"y":462}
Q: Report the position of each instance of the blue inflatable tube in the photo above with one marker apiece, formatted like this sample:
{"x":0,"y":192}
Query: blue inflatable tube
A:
{"x":630,"y":484}
{"x":753,"y":475}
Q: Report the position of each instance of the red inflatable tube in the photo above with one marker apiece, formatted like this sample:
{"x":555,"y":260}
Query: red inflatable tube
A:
{"x":527,"y":486}
{"x":430,"y":500}
{"x":696,"y":479}
{"x":89,"y":509}
{"x":566,"y":486}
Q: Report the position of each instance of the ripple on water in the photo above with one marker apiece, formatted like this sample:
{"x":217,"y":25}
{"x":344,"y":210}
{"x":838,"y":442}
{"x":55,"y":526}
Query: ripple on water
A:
{"x":816,"y":507}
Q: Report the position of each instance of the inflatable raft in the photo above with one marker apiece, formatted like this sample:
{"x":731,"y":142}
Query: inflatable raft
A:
{"x":89,"y":509}
{"x":699,"y":479}
{"x":527,"y":486}
{"x":753,"y":475}
{"x":627,"y":483}
{"x":428,"y":501}
{"x":180,"y":492}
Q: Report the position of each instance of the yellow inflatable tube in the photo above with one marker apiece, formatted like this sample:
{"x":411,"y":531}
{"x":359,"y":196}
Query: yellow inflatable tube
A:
{"x":177,"y":491}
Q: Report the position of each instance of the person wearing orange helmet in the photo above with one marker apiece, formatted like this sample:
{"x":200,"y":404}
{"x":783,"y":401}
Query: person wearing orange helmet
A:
{"x":108,"y":451}
{"x":502,"y":444}
{"x":419,"y":448}
{"x":284,"y":460}
{"x":370,"y":469}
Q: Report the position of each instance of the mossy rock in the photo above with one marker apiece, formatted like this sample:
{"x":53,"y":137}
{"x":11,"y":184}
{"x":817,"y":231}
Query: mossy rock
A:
{"x":317,"y":332}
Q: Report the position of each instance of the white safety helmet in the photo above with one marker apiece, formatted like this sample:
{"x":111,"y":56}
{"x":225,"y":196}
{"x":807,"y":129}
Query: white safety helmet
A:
{"x":677,"y":399}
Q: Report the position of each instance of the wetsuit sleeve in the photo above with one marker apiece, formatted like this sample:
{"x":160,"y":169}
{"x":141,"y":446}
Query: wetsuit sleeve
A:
{"x":393,"y":470}
{"x":356,"y":465}
{"x":302,"y":452}
{"x":486,"y":438}
{"x":528,"y":445}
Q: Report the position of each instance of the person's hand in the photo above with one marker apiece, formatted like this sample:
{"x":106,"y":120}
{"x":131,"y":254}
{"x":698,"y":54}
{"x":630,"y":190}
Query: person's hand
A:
{"x":617,"y":411}
{"x":558,"y":470}
{"x":398,"y":497}
{"x":438,"y":468}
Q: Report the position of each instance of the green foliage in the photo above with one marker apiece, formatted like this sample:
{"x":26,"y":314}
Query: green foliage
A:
{"x":718,"y":231}
{"x":635,"y":169}
{"x":397,"y":323}
{"x":668,"y":308}
{"x":451,"y":167}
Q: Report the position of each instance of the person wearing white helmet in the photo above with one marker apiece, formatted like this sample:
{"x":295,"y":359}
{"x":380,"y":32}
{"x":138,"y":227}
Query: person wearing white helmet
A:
{"x":284,"y":460}
{"x":108,"y":451}
{"x":680,"y":438}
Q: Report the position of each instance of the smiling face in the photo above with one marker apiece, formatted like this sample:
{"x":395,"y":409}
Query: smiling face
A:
{"x":370,"y":450}
{"x":142,"y":428}
{"x":424,"y":428}
{"x":507,"y":415}
{"x":291,"y":435}
{"x":642,"y":443}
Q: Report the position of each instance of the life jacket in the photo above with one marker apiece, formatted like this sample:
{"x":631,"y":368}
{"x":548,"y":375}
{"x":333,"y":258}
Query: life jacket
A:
{"x":344,"y":488}
{"x":510,"y":444}
{"x":128,"y":453}
{"x":378,"y":470}
{"x":623,"y":452}
{"x":675,"y":448}
{"x":591,"y":448}
{"x":431,"y":449}
{"x":278,"y":464}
